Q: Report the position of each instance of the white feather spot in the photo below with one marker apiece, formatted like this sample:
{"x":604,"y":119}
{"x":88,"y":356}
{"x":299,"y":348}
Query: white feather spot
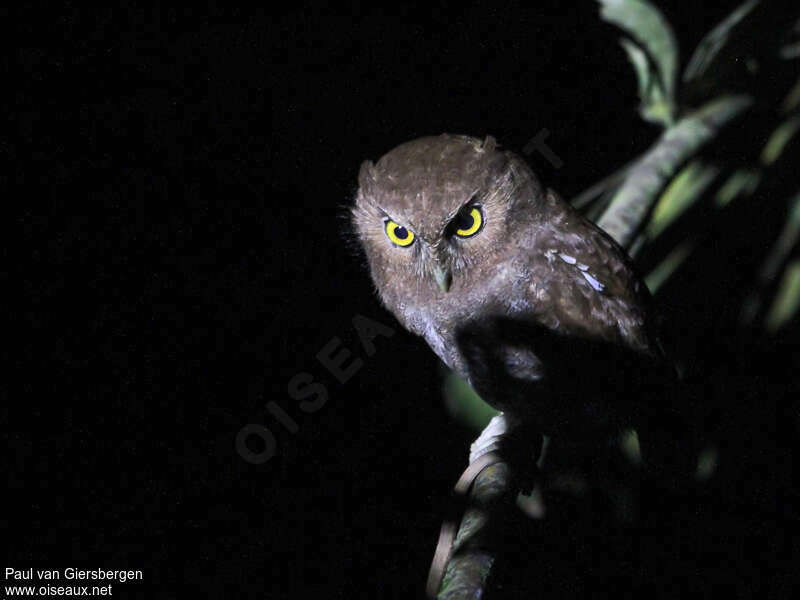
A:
{"x":570,"y":260}
{"x":583,"y":267}
{"x":593,"y":282}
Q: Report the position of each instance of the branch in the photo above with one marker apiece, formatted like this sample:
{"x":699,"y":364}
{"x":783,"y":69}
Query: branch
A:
{"x":632,"y":203}
{"x":473,"y":553}
{"x":460,"y":569}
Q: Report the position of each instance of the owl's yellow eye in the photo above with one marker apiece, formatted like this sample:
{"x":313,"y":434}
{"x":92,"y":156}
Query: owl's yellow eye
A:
{"x":399,"y":235}
{"x":468,"y":222}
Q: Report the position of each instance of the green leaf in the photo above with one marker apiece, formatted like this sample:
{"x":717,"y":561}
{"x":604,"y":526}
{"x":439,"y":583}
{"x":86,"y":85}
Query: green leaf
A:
{"x":777,"y":257}
{"x":742,"y":182}
{"x":710,"y":46}
{"x":779,"y":139}
{"x":649,"y":29}
{"x":787,"y":240}
{"x":651,"y":94}
{"x":787,"y":300}
{"x":629,"y":444}
{"x":645,"y":75}
{"x":466,"y":405}
{"x":706,"y":463}
{"x":792,"y":99}
{"x":588,"y":196}
{"x":680,"y":194}
{"x":667,"y":267}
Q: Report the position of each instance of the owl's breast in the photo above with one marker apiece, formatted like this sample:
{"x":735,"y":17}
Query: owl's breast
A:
{"x":438,"y":330}
{"x":443,"y":321}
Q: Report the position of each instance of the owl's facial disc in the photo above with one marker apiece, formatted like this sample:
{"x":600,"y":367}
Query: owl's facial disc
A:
{"x":403,"y":237}
{"x":466,"y":223}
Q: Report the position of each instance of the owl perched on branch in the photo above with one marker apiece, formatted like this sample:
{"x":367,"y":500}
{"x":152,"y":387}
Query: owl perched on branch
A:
{"x":533,"y":305}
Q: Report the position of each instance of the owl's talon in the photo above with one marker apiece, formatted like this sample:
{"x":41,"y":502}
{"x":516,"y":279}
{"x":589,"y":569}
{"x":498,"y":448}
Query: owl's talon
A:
{"x":507,"y":437}
{"x":490,"y":439}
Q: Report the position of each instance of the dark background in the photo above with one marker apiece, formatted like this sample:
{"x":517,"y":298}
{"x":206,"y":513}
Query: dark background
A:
{"x":179,"y":181}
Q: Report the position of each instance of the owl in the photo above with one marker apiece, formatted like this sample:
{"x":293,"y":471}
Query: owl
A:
{"x":539,"y":310}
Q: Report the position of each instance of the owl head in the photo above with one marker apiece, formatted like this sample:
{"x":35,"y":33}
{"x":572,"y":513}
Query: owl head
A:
{"x":434,"y":210}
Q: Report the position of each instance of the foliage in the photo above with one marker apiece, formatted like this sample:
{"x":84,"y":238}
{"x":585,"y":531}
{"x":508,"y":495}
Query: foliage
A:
{"x":738,"y":86}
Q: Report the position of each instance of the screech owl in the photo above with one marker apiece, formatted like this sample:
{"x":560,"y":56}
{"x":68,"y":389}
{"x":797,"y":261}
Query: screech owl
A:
{"x":533,"y":305}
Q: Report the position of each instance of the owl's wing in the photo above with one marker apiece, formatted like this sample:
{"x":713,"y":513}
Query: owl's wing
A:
{"x":585,"y":285}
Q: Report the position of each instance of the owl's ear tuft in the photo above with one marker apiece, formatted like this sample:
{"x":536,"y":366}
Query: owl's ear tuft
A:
{"x":489,"y":144}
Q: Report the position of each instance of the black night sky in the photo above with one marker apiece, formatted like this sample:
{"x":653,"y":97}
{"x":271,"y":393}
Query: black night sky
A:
{"x":179,"y":180}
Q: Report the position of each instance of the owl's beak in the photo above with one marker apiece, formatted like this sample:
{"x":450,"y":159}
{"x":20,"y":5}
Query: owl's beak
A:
{"x":443,"y":277}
